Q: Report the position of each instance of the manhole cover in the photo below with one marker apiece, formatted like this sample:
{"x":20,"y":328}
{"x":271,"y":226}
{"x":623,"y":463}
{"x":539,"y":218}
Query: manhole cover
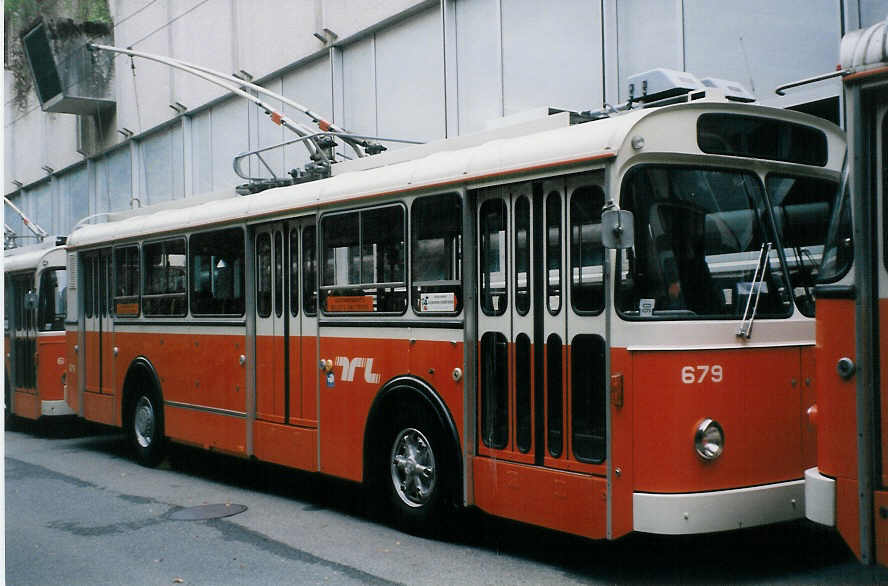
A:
{"x":204,"y":512}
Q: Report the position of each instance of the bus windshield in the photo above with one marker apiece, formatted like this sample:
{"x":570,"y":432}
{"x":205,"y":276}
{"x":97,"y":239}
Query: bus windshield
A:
{"x":702,"y":237}
{"x":52,"y":302}
{"x":838,"y":251}
{"x":802,"y":210}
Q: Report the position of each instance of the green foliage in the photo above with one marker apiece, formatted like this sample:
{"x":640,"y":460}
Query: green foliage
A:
{"x":25,"y":11}
{"x":21,"y":15}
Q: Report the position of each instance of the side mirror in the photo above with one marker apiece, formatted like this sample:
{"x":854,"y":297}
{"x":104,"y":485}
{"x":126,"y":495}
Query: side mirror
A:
{"x":30,"y":301}
{"x":617,"y":229}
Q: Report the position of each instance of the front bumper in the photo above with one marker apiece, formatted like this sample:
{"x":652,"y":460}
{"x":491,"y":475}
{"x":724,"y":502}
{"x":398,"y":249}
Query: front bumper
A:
{"x":820,"y":497}
{"x":54,"y":408}
{"x":722,"y":510}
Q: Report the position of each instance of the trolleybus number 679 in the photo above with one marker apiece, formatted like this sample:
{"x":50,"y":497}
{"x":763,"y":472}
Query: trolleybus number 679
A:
{"x":699,"y":373}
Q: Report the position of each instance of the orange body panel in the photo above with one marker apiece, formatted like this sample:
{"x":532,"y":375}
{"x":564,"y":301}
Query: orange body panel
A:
{"x":91,"y":360}
{"x":286,"y":445}
{"x":848,"y":513}
{"x":72,"y":383}
{"x":270,"y":378}
{"x":211,"y":431}
{"x":880,"y":518}
{"x":215,"y":378}
{"x":100,"y":408}
{"x":27,"y":404}
{"x":304,"y":404}
{"x":621,"y":444}
{"x":809,"y":398}
{"x":345,"y":398}
{"x":883,"y":387}
{"x":296,"y":367}
{"x":560,"y":500}
{"x":51,"y":366}
{"x":51,"y":349}
{"x":758,"y":402}
{"x":836,"y":397}
{"x":434,"y":362}
{"x":109,"y":384}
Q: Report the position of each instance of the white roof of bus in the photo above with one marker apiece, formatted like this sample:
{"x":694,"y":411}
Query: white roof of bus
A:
{"x":562,"y":146}
{"x":27,"y":257}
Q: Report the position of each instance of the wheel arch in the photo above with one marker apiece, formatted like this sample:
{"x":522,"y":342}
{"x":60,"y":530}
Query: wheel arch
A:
{"x":393,"y":393}
{"x":140,"y":371}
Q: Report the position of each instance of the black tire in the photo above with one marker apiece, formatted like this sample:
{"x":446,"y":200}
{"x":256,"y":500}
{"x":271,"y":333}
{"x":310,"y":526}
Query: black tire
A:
{"x":417,"y":474}
{"x":145,"y":427}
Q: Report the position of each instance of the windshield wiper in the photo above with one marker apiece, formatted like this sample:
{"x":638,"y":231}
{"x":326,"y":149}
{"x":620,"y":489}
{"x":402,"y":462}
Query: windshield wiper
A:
{"x":758,"y":278}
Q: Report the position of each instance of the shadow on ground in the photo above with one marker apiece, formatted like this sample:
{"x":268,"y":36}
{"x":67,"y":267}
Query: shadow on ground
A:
{"x":798,"y":551}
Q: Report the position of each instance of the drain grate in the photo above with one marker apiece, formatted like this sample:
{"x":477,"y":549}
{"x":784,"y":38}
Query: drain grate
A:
{"x":204,"y":512}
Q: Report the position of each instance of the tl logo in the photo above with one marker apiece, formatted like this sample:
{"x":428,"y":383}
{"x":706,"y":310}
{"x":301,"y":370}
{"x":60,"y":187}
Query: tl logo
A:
{"x":349,"y":367}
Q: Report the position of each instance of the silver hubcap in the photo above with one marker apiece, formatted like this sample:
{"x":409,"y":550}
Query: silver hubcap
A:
{"x":413,"y":467}
{"x":143,"y":422}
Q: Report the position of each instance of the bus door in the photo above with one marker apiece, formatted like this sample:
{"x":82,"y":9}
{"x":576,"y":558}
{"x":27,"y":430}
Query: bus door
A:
{"x":303,"y":306}
{"x":51,"y":299}
{"x":286,"y":323}
{"x":286,"y":344}
{"x":541,"y":355}
{"x":881,"y":341}
{"x":877,"y":124}
{"x":24,"y":347}
{"x":507,"y":312}
{"x":97,"y":340}
{"x":272,"y":323}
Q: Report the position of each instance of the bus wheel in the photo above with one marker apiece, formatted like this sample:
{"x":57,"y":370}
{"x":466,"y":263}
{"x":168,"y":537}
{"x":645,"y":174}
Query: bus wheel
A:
{"x":417,"y":476}
{"x":146,"y":428}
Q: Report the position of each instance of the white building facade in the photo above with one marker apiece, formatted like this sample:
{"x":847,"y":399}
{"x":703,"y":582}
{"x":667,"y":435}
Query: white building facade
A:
{"x":411,"y":69}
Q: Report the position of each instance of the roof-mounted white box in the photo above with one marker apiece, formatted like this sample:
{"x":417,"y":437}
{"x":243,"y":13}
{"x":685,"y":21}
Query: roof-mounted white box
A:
{"x":661,"y":83}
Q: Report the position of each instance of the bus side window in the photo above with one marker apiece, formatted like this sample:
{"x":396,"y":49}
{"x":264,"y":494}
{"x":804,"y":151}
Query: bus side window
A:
{"x":263,"y":275}
{"x":588,"y":399}
{"x":437,"y":254}
{"x":553,"y":252}
{"x":127,"y":272}
{"x":494,"y":390}
{"x":165,"y":275}
{"x":586,"y":250}
{"x":294,"y":271}
{"x":309,"y":272}
{"x":493,"y":254}
{"x":51,"y":300}
{"x":217,"y":272}
{"x":363,"y":259}
{"x":89,"y":280}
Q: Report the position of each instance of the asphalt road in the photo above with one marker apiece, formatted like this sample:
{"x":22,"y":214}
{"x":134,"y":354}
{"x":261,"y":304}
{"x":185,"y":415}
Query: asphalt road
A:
{"x":80,"y":511}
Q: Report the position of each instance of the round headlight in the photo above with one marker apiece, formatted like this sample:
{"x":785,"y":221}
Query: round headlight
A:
{"x":709,"y":439}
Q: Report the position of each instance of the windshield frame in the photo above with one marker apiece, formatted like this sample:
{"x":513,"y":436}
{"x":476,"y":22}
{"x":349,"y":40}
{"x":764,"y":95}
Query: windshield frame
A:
{"x":804,"y":301}
{"x":762,"y":231}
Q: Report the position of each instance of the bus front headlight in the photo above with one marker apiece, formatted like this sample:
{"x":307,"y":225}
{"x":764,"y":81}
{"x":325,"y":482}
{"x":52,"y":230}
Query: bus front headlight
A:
{"x":709,"y":439}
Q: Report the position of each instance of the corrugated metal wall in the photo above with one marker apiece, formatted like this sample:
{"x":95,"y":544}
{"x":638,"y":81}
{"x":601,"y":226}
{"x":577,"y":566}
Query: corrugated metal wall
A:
{"x":399,"y":68}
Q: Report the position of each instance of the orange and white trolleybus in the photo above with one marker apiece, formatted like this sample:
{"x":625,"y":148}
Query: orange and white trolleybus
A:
{"x":453,"y":324}
{"x":849,"y":487}
{"x":35,"y":281}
